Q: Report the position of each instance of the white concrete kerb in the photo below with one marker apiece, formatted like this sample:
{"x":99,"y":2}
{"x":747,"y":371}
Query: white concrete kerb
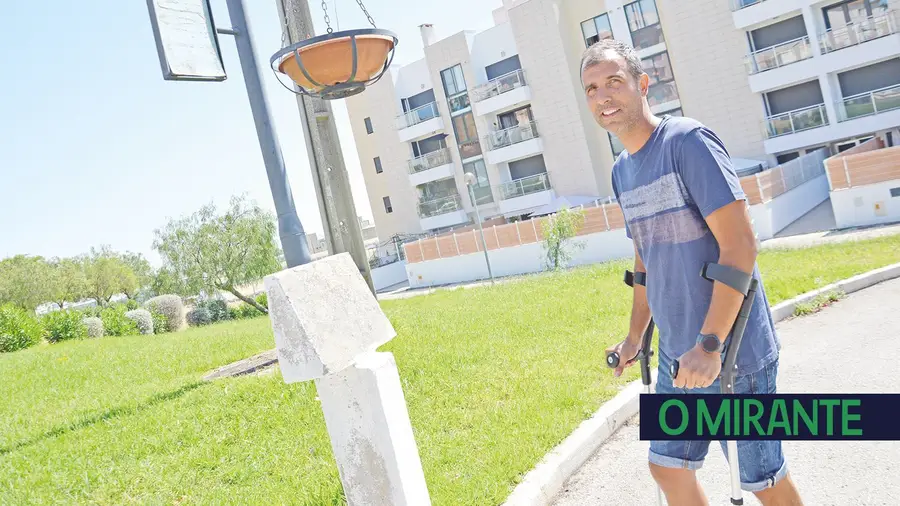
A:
{"x":542,"y":484}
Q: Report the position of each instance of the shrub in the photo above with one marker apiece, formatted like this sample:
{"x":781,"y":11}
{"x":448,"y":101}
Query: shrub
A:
{"x":243,"y":311}
{"x":217,"y":308}
{"x":18,"y":329}
{"x":171,"y":307}
{"x":115,"y":323}
{"x":142,"y":318}
{"x":263,"y":300}
{"x":198,"y":317}
{"x":132,"y":304}
{"x":160,"y":322}
{"x":94,"y":326}
{"x":64,"y":325}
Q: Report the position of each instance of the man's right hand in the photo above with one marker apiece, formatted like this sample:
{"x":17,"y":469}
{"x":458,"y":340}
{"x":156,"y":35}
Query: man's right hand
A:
{"x":627,"y":349}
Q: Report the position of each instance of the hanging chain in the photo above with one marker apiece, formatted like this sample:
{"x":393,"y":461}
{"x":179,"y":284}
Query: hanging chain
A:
{"x":327,"y":19}
{"x":363,"y":7}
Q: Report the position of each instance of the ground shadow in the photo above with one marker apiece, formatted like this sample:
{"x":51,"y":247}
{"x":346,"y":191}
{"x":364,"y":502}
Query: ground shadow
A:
{"x":112,"y":413}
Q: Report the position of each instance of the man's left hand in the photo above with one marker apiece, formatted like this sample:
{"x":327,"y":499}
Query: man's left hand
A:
{"x":697,"y":368}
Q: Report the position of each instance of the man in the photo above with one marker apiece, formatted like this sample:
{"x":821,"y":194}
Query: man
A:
{"x":683,"y":207}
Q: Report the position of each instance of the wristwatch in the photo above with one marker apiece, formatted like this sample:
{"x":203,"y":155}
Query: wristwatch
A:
{"x":710,"y":343}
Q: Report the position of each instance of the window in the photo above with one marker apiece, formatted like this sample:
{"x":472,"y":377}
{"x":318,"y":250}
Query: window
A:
{"x":368,"y":122}
{"x":454,"y":82}
{"x":466,"y":135}
{"x":378,"y":169}
{"x":596,"y":29}
{"x":662,"y":80}
{"x":643,"y":20}
{"x":482,"y":186}
{"x":387,"y":205}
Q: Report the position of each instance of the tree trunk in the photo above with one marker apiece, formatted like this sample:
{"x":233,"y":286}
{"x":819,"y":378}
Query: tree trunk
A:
{"x":246,"y":299}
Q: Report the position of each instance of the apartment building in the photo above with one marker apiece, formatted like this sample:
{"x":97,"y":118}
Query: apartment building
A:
{"x":774,"y":78}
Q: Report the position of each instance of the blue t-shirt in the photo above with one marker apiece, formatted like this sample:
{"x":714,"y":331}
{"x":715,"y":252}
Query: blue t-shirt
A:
{"x":666,"y":190}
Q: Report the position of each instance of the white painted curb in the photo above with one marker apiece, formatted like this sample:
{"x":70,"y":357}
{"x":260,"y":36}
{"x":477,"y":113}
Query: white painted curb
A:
{"x":542,"y":484}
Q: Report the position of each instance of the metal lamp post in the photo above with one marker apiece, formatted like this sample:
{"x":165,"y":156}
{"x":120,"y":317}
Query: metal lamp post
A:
{"x":470,"y":181}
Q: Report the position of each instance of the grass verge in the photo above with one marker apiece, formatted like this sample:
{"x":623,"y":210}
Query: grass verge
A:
{"x":494,"y":378}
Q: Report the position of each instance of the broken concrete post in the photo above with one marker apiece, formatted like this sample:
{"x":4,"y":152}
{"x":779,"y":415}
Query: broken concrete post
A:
{"x":327,"y":327}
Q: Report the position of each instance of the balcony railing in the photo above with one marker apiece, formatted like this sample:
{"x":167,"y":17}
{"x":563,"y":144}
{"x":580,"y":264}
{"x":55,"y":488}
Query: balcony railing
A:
{"x":857,"y":33}
{"x":512,"y":135}
{"x":869,"y":103}
{"x":439,"y":206}
{"x":430,"y":160}
{"x":737,"y":5}
{"x":418,"y":115}
{"x":525,"y":186}
{"x":499,"y":85}
{"x":797,"y":120}
{"x":779,"y":55}
{"x":458,"y":102}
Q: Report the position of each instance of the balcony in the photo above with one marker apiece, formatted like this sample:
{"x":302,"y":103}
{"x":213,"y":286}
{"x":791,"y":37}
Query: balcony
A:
{"x":419,"y":122}
{"x":442,"y":212}
{"x":431,"y":167}
{"x":795,"y":121}
{"x":870,"y":29}
{"x":778,"y":56}
{"x":513,"y":143}
{"x":525,"y":193}
{"x":750,"y":13}
{"x":501,"y":93}
{"x":869,"y":103}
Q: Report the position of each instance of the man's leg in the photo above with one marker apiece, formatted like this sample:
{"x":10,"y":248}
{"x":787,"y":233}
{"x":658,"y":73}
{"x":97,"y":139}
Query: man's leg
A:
{"x":763,"y":467}
{"x":674,"y":464}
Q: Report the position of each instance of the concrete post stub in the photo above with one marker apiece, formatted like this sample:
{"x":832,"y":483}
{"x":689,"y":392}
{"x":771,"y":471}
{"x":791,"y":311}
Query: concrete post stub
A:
{"x":323,"y":316}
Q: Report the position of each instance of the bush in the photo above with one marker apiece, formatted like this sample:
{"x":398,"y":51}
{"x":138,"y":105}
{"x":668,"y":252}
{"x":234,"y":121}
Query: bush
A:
{"x":64,"y":325}
{"x":160,"y":322}
{"x":142,"y":318}
{"x":171,"y":307}
{"x":263,"y":300}
{"x":243,"y":311}
{"x":198,"y":317}
{"x":132,"y":304}
{"x":94,"y":326}
{"x":18,"y":329}
{"x":115,"y":323}
{"x":217,"y":308}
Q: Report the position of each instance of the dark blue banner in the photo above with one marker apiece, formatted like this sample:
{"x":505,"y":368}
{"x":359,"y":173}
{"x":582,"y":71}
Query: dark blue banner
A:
{"x":798,"y":417}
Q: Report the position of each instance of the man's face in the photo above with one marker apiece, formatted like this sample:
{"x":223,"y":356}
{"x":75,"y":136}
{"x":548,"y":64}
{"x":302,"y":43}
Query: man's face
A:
{"x":613,"y":95}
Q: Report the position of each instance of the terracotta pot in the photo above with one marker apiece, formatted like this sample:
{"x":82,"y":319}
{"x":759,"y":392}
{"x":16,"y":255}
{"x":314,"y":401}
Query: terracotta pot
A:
{"x":331,"y":61}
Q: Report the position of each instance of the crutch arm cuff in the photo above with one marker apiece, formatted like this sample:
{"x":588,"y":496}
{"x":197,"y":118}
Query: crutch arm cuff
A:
{"x":730,"y":276}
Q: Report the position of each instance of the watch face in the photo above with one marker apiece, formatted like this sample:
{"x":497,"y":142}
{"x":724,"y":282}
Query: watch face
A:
{"x":710,"y":343}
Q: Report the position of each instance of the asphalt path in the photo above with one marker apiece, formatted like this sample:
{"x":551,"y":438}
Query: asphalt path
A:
{"x":852,"y":346}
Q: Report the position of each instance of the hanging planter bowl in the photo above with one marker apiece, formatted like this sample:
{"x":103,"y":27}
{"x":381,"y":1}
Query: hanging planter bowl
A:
{"x":337,"y":65}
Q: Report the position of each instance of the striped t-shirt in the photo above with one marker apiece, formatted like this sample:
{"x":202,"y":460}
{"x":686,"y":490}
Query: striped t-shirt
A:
{"x":666,"y":190}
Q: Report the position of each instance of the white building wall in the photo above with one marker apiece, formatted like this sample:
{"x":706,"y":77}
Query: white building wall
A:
{"x":489,"y":47}
{"x":389,"y":275}
{"x":517,"y":260}
{"x":411,"y":80}
{"x":866,"y":205}
{"x":772,"y":217}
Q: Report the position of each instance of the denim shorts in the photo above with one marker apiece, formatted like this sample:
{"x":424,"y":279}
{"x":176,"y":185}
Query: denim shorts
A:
{"x":762,"y":463}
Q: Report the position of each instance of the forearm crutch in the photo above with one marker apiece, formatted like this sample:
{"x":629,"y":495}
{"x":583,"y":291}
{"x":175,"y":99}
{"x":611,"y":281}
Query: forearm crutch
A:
{"x":746,"y":285}
{"x":644,"y":353}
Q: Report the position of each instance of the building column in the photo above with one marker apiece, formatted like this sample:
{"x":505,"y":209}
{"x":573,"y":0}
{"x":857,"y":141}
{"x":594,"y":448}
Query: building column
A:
{"x":831,"y":93}
{"x":618,"y":22}
{"x":812,"y":29}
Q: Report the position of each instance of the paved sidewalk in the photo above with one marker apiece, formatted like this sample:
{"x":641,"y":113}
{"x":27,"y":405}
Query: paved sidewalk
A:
{"x":851,"y":346}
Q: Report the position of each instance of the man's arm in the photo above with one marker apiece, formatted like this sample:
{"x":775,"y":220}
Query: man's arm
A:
{"x":733,"y":230}
{"x":640,"y":308}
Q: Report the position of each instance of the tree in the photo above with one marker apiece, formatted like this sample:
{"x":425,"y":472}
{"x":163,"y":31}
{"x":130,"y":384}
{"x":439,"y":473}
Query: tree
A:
{"x":24,"y":281}
{"x":213,"y":252}
{"x":558,"y":230}
{"x":67,"y":281}
{"x":107,"y":275}
{"x":143,"y":273}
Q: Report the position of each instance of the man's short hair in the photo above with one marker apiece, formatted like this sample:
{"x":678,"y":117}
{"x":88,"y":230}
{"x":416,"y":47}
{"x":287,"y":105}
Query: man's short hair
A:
{"x":597,"y":53}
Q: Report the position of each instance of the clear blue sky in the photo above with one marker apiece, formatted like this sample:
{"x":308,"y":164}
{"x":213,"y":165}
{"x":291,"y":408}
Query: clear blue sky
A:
{"x":83,"y":104}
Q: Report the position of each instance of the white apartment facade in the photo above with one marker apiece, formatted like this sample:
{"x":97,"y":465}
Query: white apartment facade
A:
{"x":774,"y":78}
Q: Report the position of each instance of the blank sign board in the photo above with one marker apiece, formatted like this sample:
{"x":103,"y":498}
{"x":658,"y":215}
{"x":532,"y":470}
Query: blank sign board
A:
{"x":186,"y":40}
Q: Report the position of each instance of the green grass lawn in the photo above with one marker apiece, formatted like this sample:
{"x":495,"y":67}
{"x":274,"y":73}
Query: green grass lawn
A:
{"x":494,"y":378}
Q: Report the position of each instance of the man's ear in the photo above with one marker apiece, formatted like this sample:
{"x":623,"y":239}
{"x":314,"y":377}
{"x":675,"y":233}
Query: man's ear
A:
{"x":644,"y":84}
